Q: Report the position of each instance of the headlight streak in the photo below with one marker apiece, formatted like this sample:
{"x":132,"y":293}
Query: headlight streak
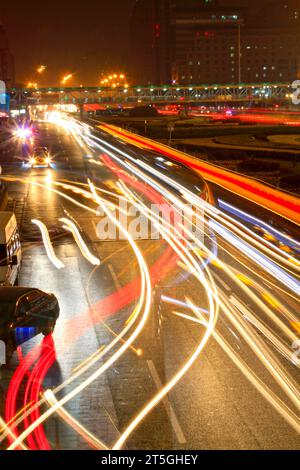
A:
{"x":110,"y":346}
{"x":75,"y":202}
{"x":213,"y":313}
{"x":260,"y":259}
{"x":283,"y":327}
{"x":145,"y":299}
{"x":79,"y":428}
{"x":69,"y":225}
{"x":261,"y":304}
{"x":254,"y":220}
{"x":230,"y":272}
{"x":265,"y":391}
{"x":232,"y":310}
{"x":262,"y":352}
{"x":60,"y":387}
{"x":47,"y":244}
{"x":263,"y":328}
{"x":215,"y":213}
{"x":208,"y":209}
{"x":189,"y":196}
{"x":170,"y":300}
{"x":5,"y":427}
{"x":193,"y":201}
{"x":233,"y":224}
{"x":285,"y":205}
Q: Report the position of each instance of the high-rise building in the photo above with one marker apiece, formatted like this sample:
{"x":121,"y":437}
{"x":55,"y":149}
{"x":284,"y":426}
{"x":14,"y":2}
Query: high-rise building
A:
{"x":150,"y":30}
{"x":215,"y":41}
{"x":206,"y":42}
{"x":6,"y":60}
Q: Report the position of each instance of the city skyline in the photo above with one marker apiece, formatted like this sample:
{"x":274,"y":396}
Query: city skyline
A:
{"x":149,"y":232}
{"x":71,"y":42}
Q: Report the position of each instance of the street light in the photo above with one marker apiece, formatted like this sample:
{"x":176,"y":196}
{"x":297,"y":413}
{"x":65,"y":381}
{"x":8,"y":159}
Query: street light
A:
{"x":66,"y":78}
{"x":32,"y":85}
{"x":41,"y":69}
{"x":114,"y":80}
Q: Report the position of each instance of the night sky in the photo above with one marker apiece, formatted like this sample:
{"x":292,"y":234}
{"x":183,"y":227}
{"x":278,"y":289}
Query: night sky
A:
{"x":83,"y":37}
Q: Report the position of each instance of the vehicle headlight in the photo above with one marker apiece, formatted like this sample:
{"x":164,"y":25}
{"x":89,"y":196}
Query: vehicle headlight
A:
{"x":32,"y":160}
{"x":48,"y":160}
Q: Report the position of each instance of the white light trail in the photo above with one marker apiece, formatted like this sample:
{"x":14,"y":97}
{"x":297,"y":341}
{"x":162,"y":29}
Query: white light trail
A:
{"x":47,"y":244}
{"x":144,"y":302}
{"x":71,"y":226}
{"x":78,"y":427}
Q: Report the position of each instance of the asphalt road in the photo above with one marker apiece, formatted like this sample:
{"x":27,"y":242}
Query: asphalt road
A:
{"x":214,"y":406}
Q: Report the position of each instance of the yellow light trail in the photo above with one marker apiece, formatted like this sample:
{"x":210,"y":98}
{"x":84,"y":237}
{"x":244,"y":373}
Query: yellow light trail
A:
{"x":265,"y":391}
{"x":234,"y":315}
{"x":78,"y":427}
{"x":220,"y":178}
{"x":256,"y":345}
{"x":69,"y":225}
{"x":47,"y":244}
{"x":89,"y":362}
{"x":145,"y":299}
{"x":184,"y":254}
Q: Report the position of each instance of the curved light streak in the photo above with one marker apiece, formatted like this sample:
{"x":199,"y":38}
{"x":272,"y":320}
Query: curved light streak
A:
{"x":69,"y":225}
{"x":144,"y":299}
{"x":48,"y":245}
{"x":78,"y":427}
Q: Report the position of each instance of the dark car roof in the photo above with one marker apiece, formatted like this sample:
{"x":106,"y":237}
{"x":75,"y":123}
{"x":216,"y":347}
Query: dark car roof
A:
{"x":12,"y":294}
{"x":8,"y":299}
{"x":182,"y":173}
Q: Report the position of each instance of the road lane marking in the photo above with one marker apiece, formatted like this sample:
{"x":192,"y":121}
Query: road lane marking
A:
{"x":168,"y":406}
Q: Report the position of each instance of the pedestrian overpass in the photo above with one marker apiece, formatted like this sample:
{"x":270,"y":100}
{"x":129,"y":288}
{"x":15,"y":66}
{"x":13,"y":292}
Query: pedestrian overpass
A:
{"x":134,"y":95}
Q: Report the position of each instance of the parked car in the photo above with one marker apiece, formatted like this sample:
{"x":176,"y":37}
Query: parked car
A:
{"x":24,"y":313}
{"x":10,"y":249}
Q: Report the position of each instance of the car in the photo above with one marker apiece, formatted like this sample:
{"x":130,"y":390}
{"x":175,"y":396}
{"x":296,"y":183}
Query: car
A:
{"x":10,"y":249}
{"x":40,"y":157}
{"x":177,"y":171}
{"x":24,"y":313}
